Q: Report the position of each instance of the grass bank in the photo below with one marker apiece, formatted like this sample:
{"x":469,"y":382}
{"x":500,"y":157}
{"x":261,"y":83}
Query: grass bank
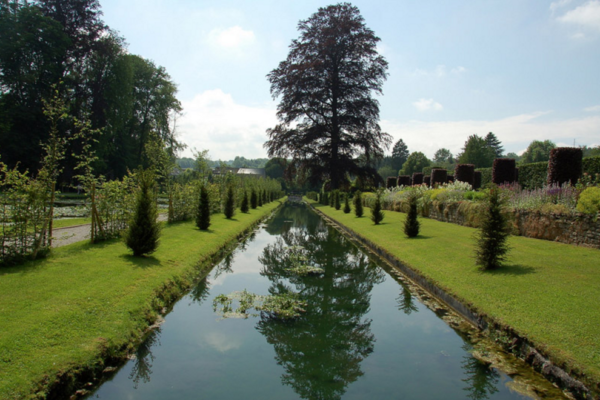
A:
{"x":548,"y":292}
{"x":64,"y":316}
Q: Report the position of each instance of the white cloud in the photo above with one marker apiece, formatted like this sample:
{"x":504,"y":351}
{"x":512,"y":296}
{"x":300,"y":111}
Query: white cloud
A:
{"x":439,"y":71}
{"x":586,"y":15}
{"x":214,"y":121}
{"x":233,"y":37}
{"x":555,"y":5}
{"x":427,"y":104}
{"x":515,"y":132}
{"x":592,"y":109}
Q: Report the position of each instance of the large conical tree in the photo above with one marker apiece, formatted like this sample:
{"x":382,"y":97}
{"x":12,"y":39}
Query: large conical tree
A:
{"x":144,"y":230}
{"x":328,"y":116}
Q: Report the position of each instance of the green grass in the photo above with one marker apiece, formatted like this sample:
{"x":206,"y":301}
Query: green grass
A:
{"x":87,"y":301}
{"x":548,"y":292}
{"x":65,"y":222}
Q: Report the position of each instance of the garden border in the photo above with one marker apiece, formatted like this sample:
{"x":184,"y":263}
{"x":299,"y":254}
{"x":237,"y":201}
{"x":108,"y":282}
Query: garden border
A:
{"x":505,"y":336}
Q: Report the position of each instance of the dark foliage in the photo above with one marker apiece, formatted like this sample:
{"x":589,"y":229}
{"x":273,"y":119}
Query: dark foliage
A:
{"x":491,"y":239}
{"x":358,"y":206}
{"x":259,"y":198}
{"x":427,"y":180}
{"x":503,"y":171}
{"x":376,"y":211}
{"x":337,"y":202}
{"x":411,"y":224}
{"x":326,"y":111}
{"x":229,"y":208}
{"x":477,"y":180}
{"x":591,"y":165}
{"x":533,"y":175}
{"x":244,"y":206}
{"x":347,"y":203}
{"x":476,"y":151}
{"x":400,"y":154}
{"x":438,"y":176}
{"x":450,"y":178}
{"x":516,"y":174}
{"x":253,"y":199}
{"x":331,"y":196}
{"x":264,"y":196}
{"x":465,"y":173}
{"x":203,"y":214}
{"x":417,"y":178}
{"x":494,"y":143}
{"x":391,"y":182}
{"x":565,"y":165}
{"x":404,"y":180}
{"x":144,"y":230}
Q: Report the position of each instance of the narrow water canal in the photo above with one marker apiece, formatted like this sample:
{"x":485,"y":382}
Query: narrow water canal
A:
{"x":365,"y":333}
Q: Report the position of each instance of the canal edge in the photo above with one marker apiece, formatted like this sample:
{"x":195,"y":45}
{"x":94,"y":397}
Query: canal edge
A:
{"x":80,"y":380}
{"x":503,"y":335}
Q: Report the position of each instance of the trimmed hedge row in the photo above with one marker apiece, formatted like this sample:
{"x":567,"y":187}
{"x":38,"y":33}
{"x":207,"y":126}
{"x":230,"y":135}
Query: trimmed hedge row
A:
{"x":404,"y":180}
{"x":439,"y":175}
{"x":503,"y":171}
{"x":464,"y":173}
{"x":565,"y":165}
{"x":417,"y":178}
{"x":391,"y":182}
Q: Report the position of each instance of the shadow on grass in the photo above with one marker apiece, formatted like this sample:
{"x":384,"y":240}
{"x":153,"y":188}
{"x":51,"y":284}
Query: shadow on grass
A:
{"x":420,"y":237}
{"x":512,"y":269}
{"x":141,"y":262}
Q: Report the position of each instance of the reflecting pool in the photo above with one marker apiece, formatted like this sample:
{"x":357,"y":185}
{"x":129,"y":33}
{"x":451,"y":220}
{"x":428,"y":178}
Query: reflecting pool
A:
{"x":365,"y":332}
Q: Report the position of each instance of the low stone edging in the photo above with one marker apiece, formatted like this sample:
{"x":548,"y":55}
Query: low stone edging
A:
{"x":510,"y":340}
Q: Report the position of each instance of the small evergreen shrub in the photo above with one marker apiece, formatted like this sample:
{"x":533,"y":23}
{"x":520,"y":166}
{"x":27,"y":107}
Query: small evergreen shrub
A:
{"x":439,"y":176}
{"x":565,"y":165}
{"x":589,"y":200}
{"x":347,"y":203}
{"x":143,"y":232}
{"x":465,"y":173}
{"x":336,"y":201}
{"x":503,"y":171}
{"x":477,"y":178}
{"x":391,"y":182}
{"x":203,"y":212}
{"x":404,"y":180}
{"x":417,"y":178}
{"x":229,"y":208}
{"x":427,"y":180}
{"x":376,"y":211}
{"x":491,"y":239}
{"x":358,"y":206}
{"x":253,"y":199}
{"x":244,"y":206}
{"x":411,"y":224}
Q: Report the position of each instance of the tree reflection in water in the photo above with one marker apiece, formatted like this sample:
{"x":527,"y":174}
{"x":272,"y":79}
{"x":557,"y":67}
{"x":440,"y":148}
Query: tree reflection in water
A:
{"x":481,"y":379}
{"x":142,"y":365}
{"x":406,"y":301}
{"x":321,"y":352}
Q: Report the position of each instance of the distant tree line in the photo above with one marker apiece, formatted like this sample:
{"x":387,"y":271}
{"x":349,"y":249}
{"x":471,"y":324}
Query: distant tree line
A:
{"x":64,"y":46}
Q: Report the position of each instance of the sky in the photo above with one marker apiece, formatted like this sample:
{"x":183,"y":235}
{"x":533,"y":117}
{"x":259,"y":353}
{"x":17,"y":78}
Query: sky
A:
{"x":523,"y":69}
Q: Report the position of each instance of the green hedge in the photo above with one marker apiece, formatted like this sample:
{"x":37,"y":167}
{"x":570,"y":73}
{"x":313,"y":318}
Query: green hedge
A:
{"x":533,"y":175}
{"x":591,"y":165}
{"x":486,"y":176}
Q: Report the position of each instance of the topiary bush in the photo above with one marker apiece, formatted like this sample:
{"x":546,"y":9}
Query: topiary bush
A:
{"x":503,"y":171}
{"x":391,"y":182}
{"x":450,"y":178}
{"x":404,"y":180}
{"x":491,"y":247}
{"x":347,"y":203}
{"x":589,"y":200}
{"x":427,"y":180}
{"x":477,"y":178}
{"x":438,"y":176}
{"x":411,"y":223}
{"x":336,"y":200}
{"x":229,"y":208}
{"x":358,"y":206}
{"x":203,"y":212}
{"x":245,"y":206}
{"x":376,"y":211}
{"x":143,"y":232}
{"x":417,"y":178}
{"x":565,"y":165}
{"x":464,"y":173}
{"x":253,"y":199}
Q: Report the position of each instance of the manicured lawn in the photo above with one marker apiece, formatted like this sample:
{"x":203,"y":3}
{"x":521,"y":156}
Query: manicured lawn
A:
{"x":64,"y":312}
{"x":65,"y":222}
{"x":548,"y":292}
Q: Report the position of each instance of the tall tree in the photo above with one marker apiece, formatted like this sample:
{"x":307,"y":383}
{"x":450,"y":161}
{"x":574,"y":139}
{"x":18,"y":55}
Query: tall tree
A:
{"x":476,"y":151}
{"x":415,"y":163}
{"x":537,"y":151}
{"x":399,"y":154}
{"x":494,"y":143}
{"x":443,"y":156}
{"x":327,"y":113}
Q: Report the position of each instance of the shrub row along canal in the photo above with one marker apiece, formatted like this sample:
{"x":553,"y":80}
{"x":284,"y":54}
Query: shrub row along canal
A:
{"x":298,"y":311}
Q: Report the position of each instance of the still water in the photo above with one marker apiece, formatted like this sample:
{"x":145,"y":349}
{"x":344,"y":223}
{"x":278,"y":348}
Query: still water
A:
{"x":364,"y":333}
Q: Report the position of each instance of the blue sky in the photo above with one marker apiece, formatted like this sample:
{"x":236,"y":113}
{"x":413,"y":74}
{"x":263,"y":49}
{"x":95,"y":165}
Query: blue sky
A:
{"x":523,"y":69}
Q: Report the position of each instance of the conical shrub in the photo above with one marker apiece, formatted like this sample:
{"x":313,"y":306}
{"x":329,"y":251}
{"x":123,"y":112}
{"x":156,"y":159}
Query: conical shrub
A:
{"x":347,"y":204}
{"x":336,"y":200}
{"x":229,"y":208}
{"x":358,"y":206}
{"x":244,"y":206}
{"x":203,"y":211}
{"x":411,"y":224}
{"x":143,"y":233}
{"x":492,"y":236}
{"x":376,"y":211}
{"x":253,"y":199}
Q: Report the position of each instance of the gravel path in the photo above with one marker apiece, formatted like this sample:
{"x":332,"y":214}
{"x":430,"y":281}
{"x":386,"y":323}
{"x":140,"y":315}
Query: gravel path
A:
{"x":72,"y":234}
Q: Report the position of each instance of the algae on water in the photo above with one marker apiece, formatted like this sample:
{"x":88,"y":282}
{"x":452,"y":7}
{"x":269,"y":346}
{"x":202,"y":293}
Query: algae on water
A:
{"x":281,"y":306}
